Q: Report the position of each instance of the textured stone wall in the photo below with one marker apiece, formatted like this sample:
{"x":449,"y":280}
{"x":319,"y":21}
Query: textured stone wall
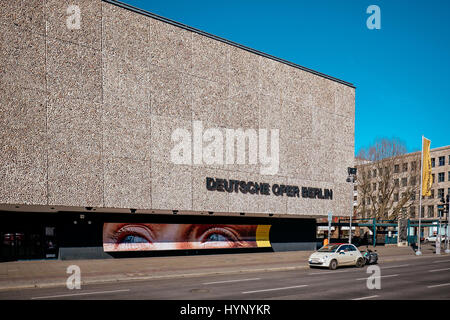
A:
{"x":87,"y":114}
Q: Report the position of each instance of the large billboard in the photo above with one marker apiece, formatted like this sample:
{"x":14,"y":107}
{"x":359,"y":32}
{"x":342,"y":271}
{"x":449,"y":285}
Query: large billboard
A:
{"x":155,"y":236}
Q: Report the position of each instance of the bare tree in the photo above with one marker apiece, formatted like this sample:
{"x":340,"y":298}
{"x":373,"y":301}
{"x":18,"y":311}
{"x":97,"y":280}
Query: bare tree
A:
{"x":381,"y":180}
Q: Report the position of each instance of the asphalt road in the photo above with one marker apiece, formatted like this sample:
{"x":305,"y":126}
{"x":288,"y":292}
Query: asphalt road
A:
{"x":424,"y":278}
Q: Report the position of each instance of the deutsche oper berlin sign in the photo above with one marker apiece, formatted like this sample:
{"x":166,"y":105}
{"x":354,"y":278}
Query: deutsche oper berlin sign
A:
{"x":259,"y":188}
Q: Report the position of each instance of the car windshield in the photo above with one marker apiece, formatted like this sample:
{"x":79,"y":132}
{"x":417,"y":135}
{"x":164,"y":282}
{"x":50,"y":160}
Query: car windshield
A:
{"x":329,"y":248}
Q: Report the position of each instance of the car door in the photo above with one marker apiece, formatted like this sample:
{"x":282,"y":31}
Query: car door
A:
{"x":353,"y":256}
{"x":344,"y":257}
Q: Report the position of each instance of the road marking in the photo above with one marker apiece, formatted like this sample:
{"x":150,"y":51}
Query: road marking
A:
{"x":327,"y":272}
{"x":436,"y":270}
{"x":439,"y":285}
{"x":363,"y":298}
{"x":274,"y":289}
{"x":79,"y":294}
{"x":402,"y":265}
{"x":229,"y":281}
{"x":441,"y":261}
{"x":388,"y":276}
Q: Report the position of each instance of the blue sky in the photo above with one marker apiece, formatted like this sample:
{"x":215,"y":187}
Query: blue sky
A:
{"x":401,"y":72}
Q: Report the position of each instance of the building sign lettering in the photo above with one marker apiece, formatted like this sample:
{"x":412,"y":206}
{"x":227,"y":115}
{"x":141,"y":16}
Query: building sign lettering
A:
{"x":259,"y":188}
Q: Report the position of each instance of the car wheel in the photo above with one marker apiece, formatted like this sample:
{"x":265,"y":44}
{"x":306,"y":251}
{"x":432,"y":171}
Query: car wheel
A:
{"x":333,"y":264}
{"x":360,"y":262}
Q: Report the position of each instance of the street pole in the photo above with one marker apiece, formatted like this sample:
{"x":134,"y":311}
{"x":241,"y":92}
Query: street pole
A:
{"x":447,"y":250}
{"x":350,"y":230}
{"x":446,"y":210}
{"x":351,"y":178}
{"x":330,"y":217}
{"x":438,"y":238}
{"x":418,"y":252}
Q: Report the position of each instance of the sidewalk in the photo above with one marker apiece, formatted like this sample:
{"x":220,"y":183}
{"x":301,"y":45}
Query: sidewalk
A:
{"x":47,"y":273}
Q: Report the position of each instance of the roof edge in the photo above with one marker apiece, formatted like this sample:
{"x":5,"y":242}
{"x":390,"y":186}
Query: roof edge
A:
{"x":209,"y":35}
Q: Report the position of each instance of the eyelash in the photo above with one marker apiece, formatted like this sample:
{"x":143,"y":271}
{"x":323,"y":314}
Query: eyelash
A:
{"x":231,"y":236}
{"x":123,"y":232}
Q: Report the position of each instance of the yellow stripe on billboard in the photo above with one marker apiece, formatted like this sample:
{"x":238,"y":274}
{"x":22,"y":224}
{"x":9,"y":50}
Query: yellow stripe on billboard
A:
{"x":262,"y":236}
{"x":426,"y":168}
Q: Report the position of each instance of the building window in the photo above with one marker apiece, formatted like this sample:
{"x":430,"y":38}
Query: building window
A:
{"x":404,"y":182}
{"x":368,"y":201}
{"x":440,"y":193}
{"x":413,"y":166}
{"x":396,"y":168}
{"x":374,"y":186}
{"x":413,"y":180}
{"x":412,"y":212}
{"x":422,"y":212}
{"x":432,"y":177}
{"x":441,"y":177}
{"x":374,"y":173}
{"x":442,"y":161}
{"x":405,"y":167}
{"x":432,"y":194}
{"x":396,"y":197}
{"x":433,"y":164}
{"x":430,"y":211}
{"x":448,"y":176}
{"x":396,"y":183}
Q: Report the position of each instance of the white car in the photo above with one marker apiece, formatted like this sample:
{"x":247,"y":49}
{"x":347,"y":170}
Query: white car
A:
{"x":431,"y":238}
{"x":337,"y":254}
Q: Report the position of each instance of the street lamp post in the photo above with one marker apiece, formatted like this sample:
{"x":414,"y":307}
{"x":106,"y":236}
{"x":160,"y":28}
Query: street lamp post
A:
{"x":351,"y":178}
{"x":446,"y":210}
{"x":443,"y":208}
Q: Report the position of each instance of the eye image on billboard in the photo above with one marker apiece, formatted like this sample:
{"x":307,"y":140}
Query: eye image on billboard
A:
{"x":153,"y":236}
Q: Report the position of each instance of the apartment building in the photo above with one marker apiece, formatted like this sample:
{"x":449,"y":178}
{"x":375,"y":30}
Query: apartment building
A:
{"x":401,"y":196}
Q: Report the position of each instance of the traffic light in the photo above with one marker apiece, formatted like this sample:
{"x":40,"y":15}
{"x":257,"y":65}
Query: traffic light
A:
{"x":445,"y":203}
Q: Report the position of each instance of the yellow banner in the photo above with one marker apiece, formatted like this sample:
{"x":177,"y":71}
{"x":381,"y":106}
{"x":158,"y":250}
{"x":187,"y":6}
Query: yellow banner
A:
{"x":426,"y":168}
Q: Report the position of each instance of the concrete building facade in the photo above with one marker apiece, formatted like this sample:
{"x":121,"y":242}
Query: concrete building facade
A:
{"x":93,"y":94}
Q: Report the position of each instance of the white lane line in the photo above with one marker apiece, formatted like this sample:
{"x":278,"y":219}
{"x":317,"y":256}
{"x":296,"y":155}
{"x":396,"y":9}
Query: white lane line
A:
{"x":363,"y":298}
{"x":439,"y":285}
{"x":437,"y":270}
{"x":327,"y":272}
{"x":79,"y":294}
{"x":387,"y":276}
{"x":274,"y":289}
{"x":402,"y":265}
{"x":440,"y":261}
{"x":229,"y":281}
